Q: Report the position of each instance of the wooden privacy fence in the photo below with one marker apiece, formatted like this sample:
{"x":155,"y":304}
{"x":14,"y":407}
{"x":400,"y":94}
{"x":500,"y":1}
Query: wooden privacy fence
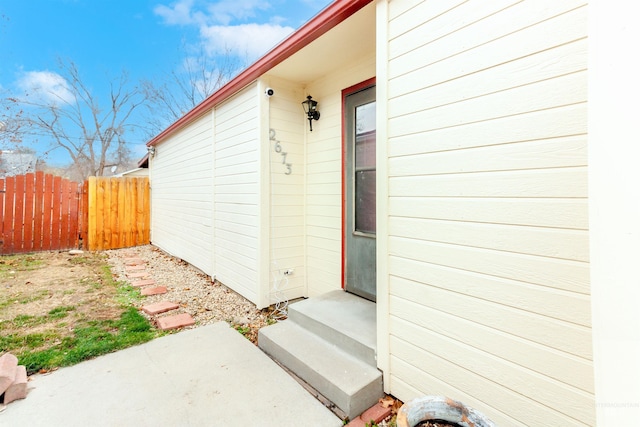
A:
{"x":118,"y":214}
{"x":41,"y":212}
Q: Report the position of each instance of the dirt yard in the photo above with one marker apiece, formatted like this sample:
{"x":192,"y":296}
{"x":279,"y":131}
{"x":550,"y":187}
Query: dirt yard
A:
{"x":48,"y":293}
{"x":57,"y":308}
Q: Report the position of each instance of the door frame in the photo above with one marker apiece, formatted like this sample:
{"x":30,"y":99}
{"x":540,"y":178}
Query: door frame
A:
{"x":345,"y":93}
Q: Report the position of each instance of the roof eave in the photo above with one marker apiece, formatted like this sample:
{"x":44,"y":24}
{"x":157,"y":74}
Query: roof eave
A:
{"x":324,"y":21}
{"x":144,"y":162}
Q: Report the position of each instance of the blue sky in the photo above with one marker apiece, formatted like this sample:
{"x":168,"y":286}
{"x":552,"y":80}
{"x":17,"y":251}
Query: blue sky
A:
{"x":147,"y":38}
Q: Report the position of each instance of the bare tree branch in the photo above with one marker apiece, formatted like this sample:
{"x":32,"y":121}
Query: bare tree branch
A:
{"x":180,"y":91}
{"x":11,"y":122}
{"x":94,"y":134}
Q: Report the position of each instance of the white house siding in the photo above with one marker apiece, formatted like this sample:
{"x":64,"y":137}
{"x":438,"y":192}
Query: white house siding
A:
{"x":614,"y":232}
{"x":488,"y":264}
{"x":324,"y":176}
{"x":286,"y":177}
{"x":236,"y":193}
{"x":181,"y":200}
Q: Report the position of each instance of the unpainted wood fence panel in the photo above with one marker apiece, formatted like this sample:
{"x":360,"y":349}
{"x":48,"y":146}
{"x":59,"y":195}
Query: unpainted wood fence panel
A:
{"x":38,"y":213}
{"x":118,"y":212}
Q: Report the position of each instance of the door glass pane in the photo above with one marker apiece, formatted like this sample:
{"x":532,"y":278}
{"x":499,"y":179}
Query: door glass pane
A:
{"x":365,"y":168}
{"x":365,"y":205}
{"x":365,"y":151}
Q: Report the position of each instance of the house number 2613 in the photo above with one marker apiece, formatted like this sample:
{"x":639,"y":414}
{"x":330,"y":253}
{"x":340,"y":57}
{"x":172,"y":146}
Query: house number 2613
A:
{"x":277,"y":147}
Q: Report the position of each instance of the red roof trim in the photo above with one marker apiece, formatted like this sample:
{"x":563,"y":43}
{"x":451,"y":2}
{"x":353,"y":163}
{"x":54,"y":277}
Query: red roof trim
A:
{"x":328,"y":18}
{"x":144,"y":162}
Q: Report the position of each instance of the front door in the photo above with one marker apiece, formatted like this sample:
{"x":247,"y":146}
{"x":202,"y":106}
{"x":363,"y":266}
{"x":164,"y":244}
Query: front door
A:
{"x":360,"y":193}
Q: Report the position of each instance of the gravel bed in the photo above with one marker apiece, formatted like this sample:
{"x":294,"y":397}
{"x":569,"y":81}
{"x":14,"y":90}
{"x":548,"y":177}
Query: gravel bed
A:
{"x":192,"y":290}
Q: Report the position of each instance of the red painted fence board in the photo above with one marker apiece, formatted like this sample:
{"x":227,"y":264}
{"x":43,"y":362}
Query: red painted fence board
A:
{"x":1,"y":208}
{"x":18,"y":212}
{"x":39,"y":212}
{"x":55,"y":212}
{"x":7,"y":219}
{"x":46,"y":212}
{"x":27,"y":236}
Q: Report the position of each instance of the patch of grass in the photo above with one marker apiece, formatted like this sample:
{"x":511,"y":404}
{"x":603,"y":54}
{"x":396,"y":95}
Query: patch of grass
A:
{"x":93,"y":286}
{"x":27,"y":321}
{"x":127,"y":294}
{"x":244,"y":330}
{"x":68,"y":334}
{"x":22,"y":320}
{"x":94,"y":338}
{"x":40,"y":295}
{"x":60,"y":312}
{"x":19,"y":263}
{"x":79,"y":260}
{"x":26,"y":342}
{"x":7,"y":302}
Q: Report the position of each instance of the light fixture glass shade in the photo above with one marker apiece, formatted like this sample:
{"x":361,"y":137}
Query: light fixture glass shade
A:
{"x":311,"y":110}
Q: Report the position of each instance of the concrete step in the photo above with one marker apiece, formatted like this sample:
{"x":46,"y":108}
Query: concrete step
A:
{"x":349,"y":383}
{"x":343,"y":319}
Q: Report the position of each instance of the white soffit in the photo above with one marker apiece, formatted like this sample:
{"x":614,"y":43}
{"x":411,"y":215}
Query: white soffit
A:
{"x":352,"y":39}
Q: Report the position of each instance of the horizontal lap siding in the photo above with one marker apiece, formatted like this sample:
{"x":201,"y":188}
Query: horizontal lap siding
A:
{"x":236,"y":193}
{"x":324,"y":177}
{"x":181,"y":192}
{"x":287,"y":192}
{"x":488,"y":240}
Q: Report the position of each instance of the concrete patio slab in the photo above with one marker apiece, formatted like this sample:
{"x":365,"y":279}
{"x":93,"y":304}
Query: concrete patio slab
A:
{"x":208,"y":376}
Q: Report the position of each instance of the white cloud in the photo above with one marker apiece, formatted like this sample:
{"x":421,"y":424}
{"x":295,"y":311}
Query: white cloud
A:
{"x":251,"y":40}
{"x":226,"y":26}
{"x":225,"y":11}
{"x":46,"y":86}
{"x":179,"y":13}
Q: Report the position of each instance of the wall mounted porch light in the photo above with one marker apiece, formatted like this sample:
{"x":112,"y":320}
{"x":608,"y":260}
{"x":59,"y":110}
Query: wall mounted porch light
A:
{"x":311,"y":109}
{"x":151,"y":151}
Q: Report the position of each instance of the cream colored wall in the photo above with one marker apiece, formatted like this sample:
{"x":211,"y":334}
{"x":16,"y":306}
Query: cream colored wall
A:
{"x":236,"y":193}
{"x":488,"y":256}
{"x":614,"y":205}
{"x":324,"y":175}
{"x":286,"y":187}
{"x":181,"y":194}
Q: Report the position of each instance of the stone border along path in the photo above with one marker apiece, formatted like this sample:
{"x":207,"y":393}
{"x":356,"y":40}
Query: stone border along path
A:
{"x":205,"y":300}
{"x":135,"y":268}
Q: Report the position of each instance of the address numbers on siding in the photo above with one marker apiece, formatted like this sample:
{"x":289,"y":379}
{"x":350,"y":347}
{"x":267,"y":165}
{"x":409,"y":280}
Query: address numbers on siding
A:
{"x":277,"y":147}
